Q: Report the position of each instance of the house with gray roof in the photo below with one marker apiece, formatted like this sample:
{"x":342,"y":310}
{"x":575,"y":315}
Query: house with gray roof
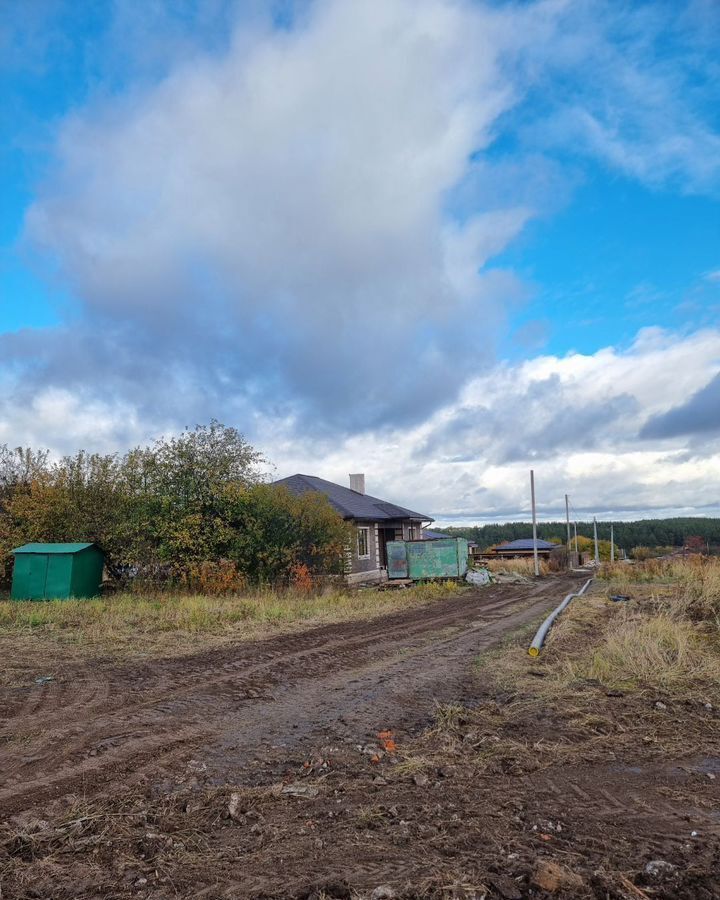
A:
{"x":374,"y":521}
{"x":524,"y":547}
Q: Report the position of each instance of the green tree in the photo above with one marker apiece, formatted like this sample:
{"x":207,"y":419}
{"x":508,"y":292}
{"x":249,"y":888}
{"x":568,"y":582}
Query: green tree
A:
{"x":271,"y":531}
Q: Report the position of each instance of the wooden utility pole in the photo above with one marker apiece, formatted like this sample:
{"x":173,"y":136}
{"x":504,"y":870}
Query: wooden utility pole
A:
{"x":532,"y":500}
{"x":597,"y":549}
{"x":567,"y":519}
{"x":612,"y":543}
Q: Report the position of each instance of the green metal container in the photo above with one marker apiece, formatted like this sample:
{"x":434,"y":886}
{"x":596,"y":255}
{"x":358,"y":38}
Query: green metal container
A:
{"x":444,"y":558}
{"x":397,"y":559}
{"x":56,"y":571}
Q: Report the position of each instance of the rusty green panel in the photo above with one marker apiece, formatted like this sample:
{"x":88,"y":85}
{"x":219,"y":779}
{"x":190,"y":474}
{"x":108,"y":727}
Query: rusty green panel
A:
{"x":445,"y":558}
{"x":397,"y":559}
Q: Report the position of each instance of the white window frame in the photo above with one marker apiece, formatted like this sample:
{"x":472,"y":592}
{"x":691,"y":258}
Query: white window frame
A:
{"x":367,"y":542}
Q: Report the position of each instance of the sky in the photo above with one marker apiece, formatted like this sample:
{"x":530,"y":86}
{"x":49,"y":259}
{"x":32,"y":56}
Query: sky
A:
{"x":440,"y":242}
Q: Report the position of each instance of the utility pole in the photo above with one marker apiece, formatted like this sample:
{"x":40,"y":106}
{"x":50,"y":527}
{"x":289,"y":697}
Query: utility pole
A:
{"x":534,"y":517}
{"x":597,"y":549}
{"x":567,"y":519}
{"x":612,"y":543}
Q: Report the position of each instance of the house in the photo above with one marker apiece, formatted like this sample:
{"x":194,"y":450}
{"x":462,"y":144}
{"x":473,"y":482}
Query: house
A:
{"x":375,"y":522}
{"x":428,"y":535}
{"x":524,"y":548}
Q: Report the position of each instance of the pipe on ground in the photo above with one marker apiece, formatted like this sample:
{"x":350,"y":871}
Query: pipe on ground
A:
{"x":541,"y":634}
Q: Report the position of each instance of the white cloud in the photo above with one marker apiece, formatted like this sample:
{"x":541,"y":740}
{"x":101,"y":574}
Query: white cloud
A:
{"x":295,"y":234}
{"x":574,"y":419}
{"x":472,"y":457}
{"x":634,"y":86}
{"x":305,"y":217}
{"x":289,"y":195}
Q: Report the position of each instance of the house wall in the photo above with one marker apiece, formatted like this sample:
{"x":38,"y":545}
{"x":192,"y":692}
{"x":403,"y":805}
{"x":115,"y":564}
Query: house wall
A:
{"x":371,"y":569}
{"x":371,"y":563}
{"x":364,"y":570}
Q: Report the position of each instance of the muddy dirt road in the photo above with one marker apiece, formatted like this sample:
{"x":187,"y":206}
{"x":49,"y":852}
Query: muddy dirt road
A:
{"x":264,"y":769}
{"x":99,"y":728}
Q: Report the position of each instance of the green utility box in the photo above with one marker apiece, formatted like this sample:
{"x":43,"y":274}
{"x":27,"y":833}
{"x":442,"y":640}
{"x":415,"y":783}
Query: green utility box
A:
{"x":56,"y":571}
{"x":443,"y":558}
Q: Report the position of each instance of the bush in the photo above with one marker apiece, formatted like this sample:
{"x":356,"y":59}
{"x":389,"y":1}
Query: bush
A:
{"x":188,"y":512}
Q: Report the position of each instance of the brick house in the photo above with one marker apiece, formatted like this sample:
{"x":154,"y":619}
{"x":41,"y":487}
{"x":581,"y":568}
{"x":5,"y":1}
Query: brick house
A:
{"x":375,"y":522}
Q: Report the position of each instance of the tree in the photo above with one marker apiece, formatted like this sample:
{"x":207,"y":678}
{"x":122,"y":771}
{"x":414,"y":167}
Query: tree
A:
{"x":271,"y":531}
{"x":188,"y":510}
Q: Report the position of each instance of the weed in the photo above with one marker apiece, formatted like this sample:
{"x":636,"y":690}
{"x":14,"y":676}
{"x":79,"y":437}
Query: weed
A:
{"x":517,"y":566}
{"x":656,"y":651}
{"x":370,"y":817}
{"x":134,"y":621}
{"x":449,"y":717}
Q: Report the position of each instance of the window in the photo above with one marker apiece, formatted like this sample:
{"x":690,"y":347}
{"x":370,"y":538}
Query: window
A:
{"x":363,"y":543}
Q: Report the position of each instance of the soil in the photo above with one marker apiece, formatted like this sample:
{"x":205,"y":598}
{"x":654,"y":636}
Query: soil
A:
{"x":307,"y":765}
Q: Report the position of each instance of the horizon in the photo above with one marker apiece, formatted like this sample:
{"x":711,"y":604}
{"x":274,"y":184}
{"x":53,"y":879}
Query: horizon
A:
{"x":557,"y":521}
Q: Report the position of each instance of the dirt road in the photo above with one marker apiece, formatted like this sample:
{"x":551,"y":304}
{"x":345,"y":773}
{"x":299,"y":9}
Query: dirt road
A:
{"x":261,"y":770}
{"x":99,"y":728}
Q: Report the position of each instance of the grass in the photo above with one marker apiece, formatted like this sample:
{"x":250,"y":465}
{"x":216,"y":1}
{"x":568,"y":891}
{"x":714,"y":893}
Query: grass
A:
{"x":655,"y":651}
{"x":592,"y":694}
{"x":517,"y":566}
{"x":140,"y":622}
{"x":665,"y":639}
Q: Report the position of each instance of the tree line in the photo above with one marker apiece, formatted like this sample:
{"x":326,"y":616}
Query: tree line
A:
{"x":193,"y":510}
{"x":673,"y":532}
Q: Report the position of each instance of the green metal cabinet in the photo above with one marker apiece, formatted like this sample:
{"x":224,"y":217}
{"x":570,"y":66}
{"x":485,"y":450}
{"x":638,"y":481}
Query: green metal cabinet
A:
{"x":56,"y":571}
{"x":445,"y":558}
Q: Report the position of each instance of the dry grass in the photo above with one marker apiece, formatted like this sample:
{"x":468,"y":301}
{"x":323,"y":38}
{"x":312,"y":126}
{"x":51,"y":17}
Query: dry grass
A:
{"x":654,"y":651}
{"x":684,"y":588}
{"x":131,"y":623}
{"x":665,"y":639}
{"x":562,"y":706}
{"x":516,"y":566}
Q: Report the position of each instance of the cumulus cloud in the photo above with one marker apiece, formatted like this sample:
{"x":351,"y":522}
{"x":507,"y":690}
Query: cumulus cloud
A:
{"x":281,"y":207}
{"x":302,"y":217}
{"x":574,"y":419}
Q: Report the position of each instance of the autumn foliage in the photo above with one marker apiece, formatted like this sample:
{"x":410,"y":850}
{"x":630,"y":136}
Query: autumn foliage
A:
{"x":191,"y":511}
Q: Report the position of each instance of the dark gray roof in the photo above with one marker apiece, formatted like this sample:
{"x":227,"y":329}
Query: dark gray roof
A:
{"x":527,"y":544}
{"x":350,"y":504}
{"x":433,"y":535}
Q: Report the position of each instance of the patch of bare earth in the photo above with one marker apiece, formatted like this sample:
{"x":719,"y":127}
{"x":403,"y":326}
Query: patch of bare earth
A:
{"x":371,"y":759}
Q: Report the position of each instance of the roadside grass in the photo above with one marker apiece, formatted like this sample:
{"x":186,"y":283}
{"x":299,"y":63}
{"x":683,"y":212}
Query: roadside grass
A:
{"x":648,"y":645}
{"x":173,"y":622}
{"x":657,"y":651}
{"x":516,"y":566}
{"x":638,"y":677}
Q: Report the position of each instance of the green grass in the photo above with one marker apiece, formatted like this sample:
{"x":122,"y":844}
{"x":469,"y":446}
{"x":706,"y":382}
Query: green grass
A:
{"x":128,"y":618}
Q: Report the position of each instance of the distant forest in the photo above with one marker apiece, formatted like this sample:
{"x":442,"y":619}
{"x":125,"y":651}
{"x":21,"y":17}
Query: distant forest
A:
{"x":643,"y":533}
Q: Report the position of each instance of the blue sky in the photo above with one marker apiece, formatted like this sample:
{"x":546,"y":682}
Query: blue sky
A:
{"x":344,"y":228}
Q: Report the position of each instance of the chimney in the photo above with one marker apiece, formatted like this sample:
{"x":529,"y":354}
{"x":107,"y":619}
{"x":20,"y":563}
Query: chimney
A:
{"x":357,"y":483}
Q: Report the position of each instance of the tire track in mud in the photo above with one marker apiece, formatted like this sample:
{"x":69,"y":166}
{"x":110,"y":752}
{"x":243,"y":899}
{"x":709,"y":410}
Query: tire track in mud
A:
{"x":165,"y":707}
{"x":45,"y":705}
{"x":616,"y":798}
